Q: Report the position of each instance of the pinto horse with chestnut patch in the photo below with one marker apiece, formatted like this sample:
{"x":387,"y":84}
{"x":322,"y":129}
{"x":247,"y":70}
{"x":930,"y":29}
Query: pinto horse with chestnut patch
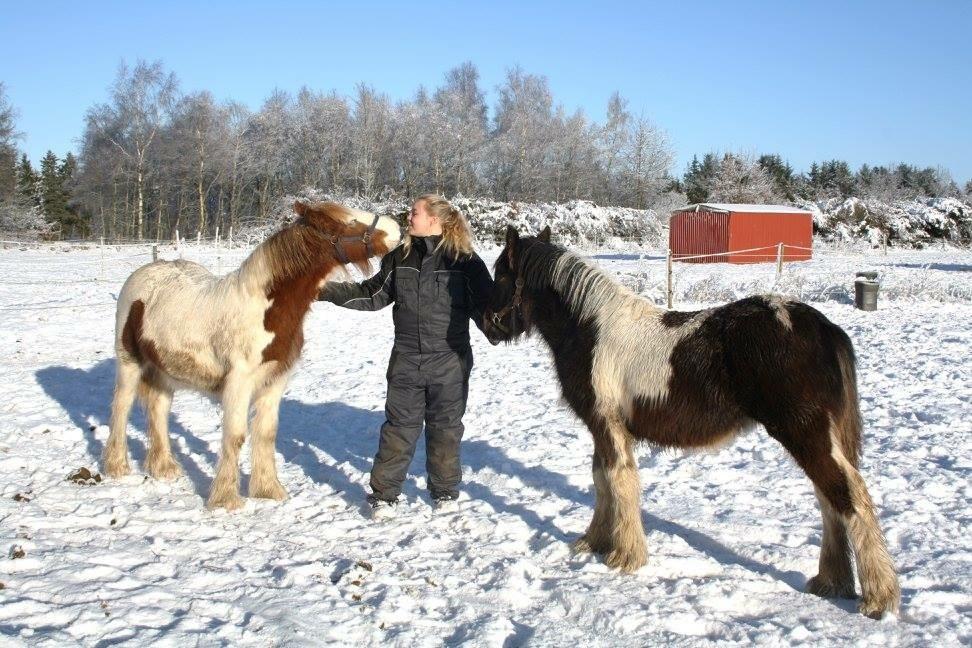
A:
{"x":235,"y":338}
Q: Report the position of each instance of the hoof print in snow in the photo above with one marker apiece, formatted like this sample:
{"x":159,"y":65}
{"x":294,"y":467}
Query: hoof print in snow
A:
{"x":17,"y":552}
{"x":84,"y":477}
{"x":23,"y":497}
{"x":364,"y":565}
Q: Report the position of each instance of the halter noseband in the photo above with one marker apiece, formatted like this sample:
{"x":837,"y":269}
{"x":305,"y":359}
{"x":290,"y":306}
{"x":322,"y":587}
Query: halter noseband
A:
{"x":497,"y":319}
{"x":515,"y":304}
{"x":337,"y":241}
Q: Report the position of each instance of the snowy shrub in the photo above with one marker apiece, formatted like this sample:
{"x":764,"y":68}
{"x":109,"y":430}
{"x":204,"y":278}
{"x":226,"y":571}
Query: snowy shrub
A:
{"x":910,"y":223}
{"x":23,"y":221}
{"x":574,"y":222}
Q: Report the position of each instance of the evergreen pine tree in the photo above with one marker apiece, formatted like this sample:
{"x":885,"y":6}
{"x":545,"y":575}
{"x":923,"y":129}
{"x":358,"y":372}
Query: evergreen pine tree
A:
{"x":699,"y":179}
{"x":780,"y":172}
{"x":27,"y":182}
{"x":53,"y":202}
{"x":73,"y":220}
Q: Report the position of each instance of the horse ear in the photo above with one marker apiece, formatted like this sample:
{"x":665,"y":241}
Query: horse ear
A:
{"x":544,"y":236}
{"x":512,"y":236}
{"x":300,"y":208}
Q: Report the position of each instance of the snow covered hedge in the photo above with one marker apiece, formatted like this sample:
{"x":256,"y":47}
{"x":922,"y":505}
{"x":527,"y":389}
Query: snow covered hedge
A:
{"x":913,"y":223}
{"x":909,"y":223}
{"x":577,"y":222}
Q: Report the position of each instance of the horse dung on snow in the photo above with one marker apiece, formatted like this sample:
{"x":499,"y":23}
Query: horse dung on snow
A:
{"x":234,"y":337}
{"x":634,"y":372}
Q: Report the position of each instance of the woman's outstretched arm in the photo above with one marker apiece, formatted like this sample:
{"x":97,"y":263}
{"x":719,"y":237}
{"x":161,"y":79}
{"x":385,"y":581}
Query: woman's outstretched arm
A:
{"x":370,"y":294}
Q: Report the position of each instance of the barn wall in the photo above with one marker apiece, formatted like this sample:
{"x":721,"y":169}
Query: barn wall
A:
{"x":692,"y":233}
{"x":754,"y":230}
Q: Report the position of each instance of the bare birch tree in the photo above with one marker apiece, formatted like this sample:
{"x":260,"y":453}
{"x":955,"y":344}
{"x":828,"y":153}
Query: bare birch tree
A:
{"x":141,"y":98}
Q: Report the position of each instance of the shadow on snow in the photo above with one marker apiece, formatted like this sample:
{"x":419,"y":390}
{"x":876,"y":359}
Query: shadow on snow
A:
{"x":333,"y":444}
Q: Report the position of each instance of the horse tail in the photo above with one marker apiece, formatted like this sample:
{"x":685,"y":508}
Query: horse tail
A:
{"x":848,"y":415}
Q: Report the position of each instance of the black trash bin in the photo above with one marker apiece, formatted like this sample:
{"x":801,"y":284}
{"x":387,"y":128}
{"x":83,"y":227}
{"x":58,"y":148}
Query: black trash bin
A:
{"x":866,"y":288}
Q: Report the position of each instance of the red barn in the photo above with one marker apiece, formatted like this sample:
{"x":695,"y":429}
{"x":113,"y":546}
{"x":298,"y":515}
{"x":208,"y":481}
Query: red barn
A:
{"x":755,"y":231}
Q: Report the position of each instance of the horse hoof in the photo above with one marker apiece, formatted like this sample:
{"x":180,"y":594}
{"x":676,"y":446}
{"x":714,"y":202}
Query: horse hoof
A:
{"x":117,"y":469}
{"x":875,"y":605}
{"x":229,"y":502}
{"x":274,"y":491}
{"x":626,"y":561}
{"x":873,"y":608}
{"x":584,"y":544}
{"x":581,"y":545}
{"x":164,"y":471}
{"x":819,"y":586}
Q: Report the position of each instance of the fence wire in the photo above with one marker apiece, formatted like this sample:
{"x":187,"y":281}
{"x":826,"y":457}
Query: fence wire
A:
{"x":640,"y":267}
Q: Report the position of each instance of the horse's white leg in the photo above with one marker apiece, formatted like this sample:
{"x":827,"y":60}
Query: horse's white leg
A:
{"x":835,"y":576}
{"x":115,"y":455}
{"x":263,"y":476}
{"x":237,"y":390}
{"x":598,"y":537}
{"x":880,"y":591}
{"x":629,"y":551}
{"x":837,"y":480}
{"x":158,"y":401}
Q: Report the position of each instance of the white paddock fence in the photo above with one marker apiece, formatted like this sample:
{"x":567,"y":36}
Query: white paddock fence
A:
{"x":36,"y":269}
{"x":38,"y":276}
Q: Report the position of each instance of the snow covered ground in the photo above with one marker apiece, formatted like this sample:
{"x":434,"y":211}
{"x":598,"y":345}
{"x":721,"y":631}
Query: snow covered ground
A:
{"x":732,"y":536}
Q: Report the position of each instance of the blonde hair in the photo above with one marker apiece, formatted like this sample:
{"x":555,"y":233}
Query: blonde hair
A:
{"x":456,"y":233}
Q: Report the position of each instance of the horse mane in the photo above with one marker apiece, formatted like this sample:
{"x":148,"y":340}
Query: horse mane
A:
{"x":288,"y":253}
{"x":296,"y":251}
{"x":584,"y":288}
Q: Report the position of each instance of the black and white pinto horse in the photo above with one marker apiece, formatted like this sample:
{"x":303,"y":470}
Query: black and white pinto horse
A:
{"x":634,"y":372}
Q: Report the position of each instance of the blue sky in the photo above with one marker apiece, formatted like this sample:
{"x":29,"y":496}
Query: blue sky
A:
{"x":867,"y":82}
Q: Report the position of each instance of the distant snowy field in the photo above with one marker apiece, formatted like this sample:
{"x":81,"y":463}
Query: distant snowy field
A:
{"x":732,"y":536}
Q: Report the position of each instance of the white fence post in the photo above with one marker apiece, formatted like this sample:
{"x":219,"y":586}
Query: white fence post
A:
{"x":155,"y":253}
{"x":178,"y":244}
{"x":779,"y":262}
{"x":218,"y":259}
{"x":231,"y":236}
{"x":669,"y":278}
{"x":198,"y":238}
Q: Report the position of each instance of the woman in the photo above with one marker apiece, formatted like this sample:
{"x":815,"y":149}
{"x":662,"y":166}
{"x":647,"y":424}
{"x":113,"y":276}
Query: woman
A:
{"x":437,"y":283}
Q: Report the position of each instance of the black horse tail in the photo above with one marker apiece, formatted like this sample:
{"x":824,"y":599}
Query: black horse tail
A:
{"x":849,"y":423}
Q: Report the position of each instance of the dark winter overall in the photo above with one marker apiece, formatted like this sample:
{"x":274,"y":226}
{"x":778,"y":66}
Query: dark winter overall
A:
{"x":428,"y":373}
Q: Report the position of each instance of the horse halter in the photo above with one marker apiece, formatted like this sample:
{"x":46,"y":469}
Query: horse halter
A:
{"x":338,"y":241}
{"x":497,"y":319}
{"x":513,"y":305}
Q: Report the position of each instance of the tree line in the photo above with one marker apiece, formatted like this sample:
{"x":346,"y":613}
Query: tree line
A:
{"x":738,"y":178}
{"x":152,"y":159}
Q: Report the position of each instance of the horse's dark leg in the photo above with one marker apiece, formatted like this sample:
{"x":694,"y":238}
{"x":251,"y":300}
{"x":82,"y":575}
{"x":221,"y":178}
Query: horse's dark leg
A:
{"x":157,"y":398}
{"x":821,"y":449}
{"x":115,"y":456}
{"x":835,"y":575}
{"x":628,"y":549}
{"x":597,"y":538}
{"x":263,"y":473}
